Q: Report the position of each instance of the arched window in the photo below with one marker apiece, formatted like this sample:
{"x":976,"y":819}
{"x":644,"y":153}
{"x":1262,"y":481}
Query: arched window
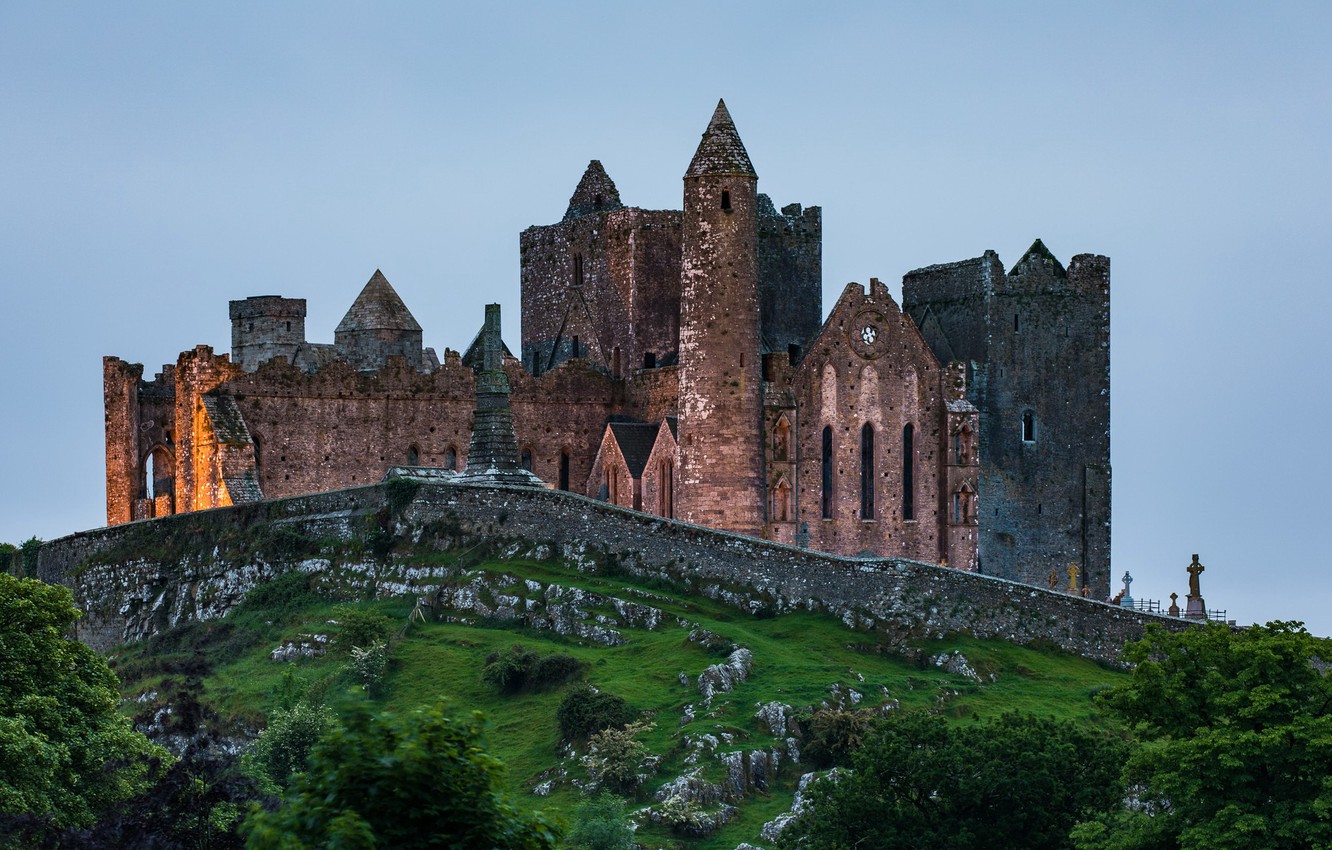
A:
{"x":781,"y":439}
{"x":413,"y":456}
{"x":1028,"y":426}
{"x":867,"y":471}
{"x":781,"y":501}
{"x":451,"y":458}
{"x":564,"y":469}
{"x":908,"y":472}
{"x":827,"y":472}
{"x":526,"y":460}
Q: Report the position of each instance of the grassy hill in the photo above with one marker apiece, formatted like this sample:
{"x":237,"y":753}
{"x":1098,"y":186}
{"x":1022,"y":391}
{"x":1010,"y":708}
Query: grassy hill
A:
{"x":801,"y":660}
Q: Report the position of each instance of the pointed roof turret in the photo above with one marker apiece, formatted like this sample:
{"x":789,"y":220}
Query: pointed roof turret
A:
{"x":1039,"y":252}
{"x":721,"y":151}
{"x":378,"y":308}
{"x":596,"y":193}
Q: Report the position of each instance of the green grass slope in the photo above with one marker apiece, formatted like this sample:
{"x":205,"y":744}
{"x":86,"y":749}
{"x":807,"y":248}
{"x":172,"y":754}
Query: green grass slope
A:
{"x":801,"y":659}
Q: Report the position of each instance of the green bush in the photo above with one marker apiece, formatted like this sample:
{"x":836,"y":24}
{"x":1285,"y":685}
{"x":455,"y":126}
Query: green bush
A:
{"x":832,"y":735}
{"x":517,"y":669}
{"x":284,"y":593}
{"x":600,"y":823}
{"x":360,"y":627}
{"x":282,"y":748}
{"x":584,"y":711}
{"x":369,"y":664}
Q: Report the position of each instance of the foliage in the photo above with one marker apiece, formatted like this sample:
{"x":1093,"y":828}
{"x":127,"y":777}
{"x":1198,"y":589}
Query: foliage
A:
{"x":369,"y":664}
{"x":401,"y":781}
{"x":832,"y":735}
{"x":517,"y":669}
{"x":601,"y":823}
{"x":361,"y":627}
{"x":1235,"y":731}
{"x":64,"y":749}
{"x":283,"y":747}
{"x":920,"y":782}
{"x":399,"y":493}
{"x":586,"y":710}
{"x":285,"y":593}
{"x":617,"y":759}
{"x":29,"y":550}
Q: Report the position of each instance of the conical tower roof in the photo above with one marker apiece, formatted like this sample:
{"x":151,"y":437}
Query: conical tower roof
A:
{"x":596,"y":193}
{"x":721,"y":151}
{"x":378,"y":308}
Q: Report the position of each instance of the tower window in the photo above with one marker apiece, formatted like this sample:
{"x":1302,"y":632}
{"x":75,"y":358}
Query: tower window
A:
{"x":596,"y":202}
{"x":1015,"y":323}
{"x":650,"y":360}
{"x":451,"y":458}
{"x":792,"y":353}
{"x":288,"y":326}
{"x":578,"y":269}
{"x":908,"y":472}
{"x":1028,"y":426}
{"x":726,"y":200}
{"x":564,"y":470}
{"x":413,"y":456}
{"x":527,"y":459}
{"x":827,"y":472}
{"x":867,"y":471}
{"x":577,"y":349}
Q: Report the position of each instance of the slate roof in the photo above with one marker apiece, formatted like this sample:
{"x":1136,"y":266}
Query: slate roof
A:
{"x":243,"y":489}
{"x":635,"y":440}
{"x":721,"y":151}
{"x":378,"y":308}
{"x":225,"y":416}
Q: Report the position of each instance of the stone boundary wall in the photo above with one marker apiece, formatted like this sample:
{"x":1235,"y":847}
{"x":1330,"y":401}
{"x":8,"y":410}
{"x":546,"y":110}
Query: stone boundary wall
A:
{"x":892,"y":601}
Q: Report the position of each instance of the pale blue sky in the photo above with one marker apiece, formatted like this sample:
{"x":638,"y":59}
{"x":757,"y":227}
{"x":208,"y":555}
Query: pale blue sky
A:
{"x":157,"y":160}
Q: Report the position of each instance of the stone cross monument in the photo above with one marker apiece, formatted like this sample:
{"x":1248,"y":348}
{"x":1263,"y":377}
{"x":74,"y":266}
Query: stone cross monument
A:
{"x":1196,"y":608}
{"x":1125,"y":600}
{"x":492,"y":455}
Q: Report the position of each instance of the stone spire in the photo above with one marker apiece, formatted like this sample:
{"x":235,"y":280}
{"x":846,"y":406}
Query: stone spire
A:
{"x":721,"y":151}
{"x":378,"y":308}
{"x":596,"y":193}
{"x":492,"y":455}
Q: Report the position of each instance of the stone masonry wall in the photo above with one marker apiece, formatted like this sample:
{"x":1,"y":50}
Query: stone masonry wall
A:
{"x":131,"y":597}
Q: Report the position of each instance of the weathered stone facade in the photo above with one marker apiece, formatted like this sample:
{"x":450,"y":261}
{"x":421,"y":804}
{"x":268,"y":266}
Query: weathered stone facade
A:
{"x":674,"y":362}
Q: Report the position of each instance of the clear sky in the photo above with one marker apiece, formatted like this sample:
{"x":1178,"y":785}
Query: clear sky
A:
{"x":158,"y":160}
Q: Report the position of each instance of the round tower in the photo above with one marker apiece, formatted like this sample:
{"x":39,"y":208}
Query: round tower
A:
{"x":721,"y":404}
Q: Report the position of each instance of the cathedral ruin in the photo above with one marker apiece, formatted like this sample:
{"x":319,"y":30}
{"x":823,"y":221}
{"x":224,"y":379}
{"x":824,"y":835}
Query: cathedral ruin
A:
{"x":675,"y":362}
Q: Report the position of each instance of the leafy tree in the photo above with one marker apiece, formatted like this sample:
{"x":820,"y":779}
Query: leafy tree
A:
{"x":586,"y":710}
{"x":65,"y":751}
{"x":361,"y":627}
{"x":399,"y":781}
{"x":918,"y":781}
{"x":616,"y":758}
{"x":282,"y":748}
{"x":1235,"y":731}
{"x":601,"y":823}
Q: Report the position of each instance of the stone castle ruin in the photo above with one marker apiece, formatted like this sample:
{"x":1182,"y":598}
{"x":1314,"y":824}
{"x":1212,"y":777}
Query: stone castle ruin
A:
{"x":673,"y":362}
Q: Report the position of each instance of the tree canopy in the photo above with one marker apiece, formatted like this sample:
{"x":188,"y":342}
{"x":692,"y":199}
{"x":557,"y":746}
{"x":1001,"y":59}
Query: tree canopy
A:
{"x":394,"y":781}
{"x":65,"y":751}
{"x":921,"y":782}
{"x":1235,"y":742}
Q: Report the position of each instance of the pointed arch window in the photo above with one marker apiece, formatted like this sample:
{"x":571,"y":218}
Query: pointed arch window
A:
{"x":827,"y":495}
{"x":908,"y":472}
{"x":781,"y":501}
{"x":413,"y":456}
{"x":451,"y":458}
{"x":1028,"y":426}
{"x":781,"y":439}
{"x":867,"y":471}
{"x":526,"y":459}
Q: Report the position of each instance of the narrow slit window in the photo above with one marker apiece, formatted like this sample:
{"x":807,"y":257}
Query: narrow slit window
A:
{"x":867,"y":471}
{"x":908,"y":472}
{"x":564,"y":470}
{"x":827,"y":472}
{"x":527,"y":459}
{"x":726,"y":200}
{"x":578,"y":269}
{"x":1028,"y":427}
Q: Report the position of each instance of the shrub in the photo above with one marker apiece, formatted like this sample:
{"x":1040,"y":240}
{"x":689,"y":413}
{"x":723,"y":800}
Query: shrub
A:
{"x":585,"y":711}
{"x":518,"y":669}
{"x":361,"y":627}
{"x":369,"y":664}
{"x":832,"y":735}
{"x":282,"y":748}
{"x":617,"y":759}
{"x":600,"y":823}
{"x":284,"y":593}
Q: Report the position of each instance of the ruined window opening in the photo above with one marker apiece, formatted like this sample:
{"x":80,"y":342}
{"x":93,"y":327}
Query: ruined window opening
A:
{"x":575,"y":347}
{"x":578,"y":269}
{"x":1028,"y":426}
{"x":908,"y":472}
{"x":451,"y":458}
{"x":827,"y":472}
{"x":526,"y":460}
{"x":726,"y":200}
{"x":288,"y":326}
{"x":596,"y":202}
{"x":1015,"y":323}
{"x":792,"y":353}
{"x":413,"y":456}
{"x":615,"y":362}
{"x":564,"y":470}
{"x":781,"y":439}
{"x":867,"y":471}
{"x":650,"y":360}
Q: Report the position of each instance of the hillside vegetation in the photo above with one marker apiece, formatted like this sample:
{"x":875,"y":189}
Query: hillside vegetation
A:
{"x":643,"y":640}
